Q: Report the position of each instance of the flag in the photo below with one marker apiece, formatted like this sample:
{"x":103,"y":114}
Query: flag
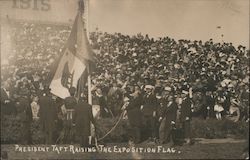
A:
{"x":73,"y":67}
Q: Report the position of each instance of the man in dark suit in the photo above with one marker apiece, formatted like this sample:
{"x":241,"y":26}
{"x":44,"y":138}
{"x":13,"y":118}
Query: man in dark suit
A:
{"x":163,"y":103}
{"x":185,"y":117}
{"x":210,"y":102}
{"x":24,"y":113}
{"x":149,"y":109}
{"x":168,"y":119}
{"x":135,"y":115}
{"x":100,"y":100}
{"x":70,"y":105}
{"x":7,"y":103}
{"x":83,"y":117}
{"x":115,"y":96}
{"x":48,"y":115}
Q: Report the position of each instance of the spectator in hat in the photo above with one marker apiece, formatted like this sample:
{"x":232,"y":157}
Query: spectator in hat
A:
{"x":234,"y":111}
{"x":115,"y":96}
{"x":149,"y":108}
{"x":162,"y":107}
{"x":168,"y":119}
{"x":185,"y":117}
{"x":210,"y":102}
{"x":82,"y":119}
{"x":7,"y":100}
{"x":200,"y":105}
{"x":101,"y":100}
{"x":48,"y":115}
{"x":135,"y":115}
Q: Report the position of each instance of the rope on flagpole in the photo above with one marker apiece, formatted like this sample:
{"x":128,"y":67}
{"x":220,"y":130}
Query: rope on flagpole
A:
{"x":113,"y":128}
{"x":110,"y":131}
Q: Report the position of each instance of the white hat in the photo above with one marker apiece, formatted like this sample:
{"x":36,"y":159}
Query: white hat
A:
{"x":167,"y":89}
{"x":185,"y":92}
{"x":221,"y":99}
{"x":126,"y":99}
{"x":149,"y":87}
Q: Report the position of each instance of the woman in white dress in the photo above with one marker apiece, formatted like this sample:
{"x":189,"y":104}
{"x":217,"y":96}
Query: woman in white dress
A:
{"x":218,"y":108}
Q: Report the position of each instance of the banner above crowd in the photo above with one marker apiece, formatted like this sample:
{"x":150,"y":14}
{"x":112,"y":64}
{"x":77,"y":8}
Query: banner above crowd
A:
{"x":51,"y":11}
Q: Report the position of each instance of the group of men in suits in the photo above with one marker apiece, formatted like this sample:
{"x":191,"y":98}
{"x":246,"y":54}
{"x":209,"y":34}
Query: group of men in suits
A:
{"x":159,"y":118}
{"x":76,"y":114}
{"x":17,"y":106}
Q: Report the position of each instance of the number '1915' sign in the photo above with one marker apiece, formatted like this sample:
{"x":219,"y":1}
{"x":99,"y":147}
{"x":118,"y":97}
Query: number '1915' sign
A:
{"x":43,"y":5}
{"x":53,"y":11}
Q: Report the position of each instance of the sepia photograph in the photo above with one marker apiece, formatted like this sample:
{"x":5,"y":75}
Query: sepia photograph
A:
{"x":124,"y":79}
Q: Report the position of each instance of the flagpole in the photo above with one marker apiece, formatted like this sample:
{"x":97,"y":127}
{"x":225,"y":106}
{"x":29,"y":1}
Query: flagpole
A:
{"x":89,"y":87}
{"x":86,"y":9}
{"x":86,"y":16}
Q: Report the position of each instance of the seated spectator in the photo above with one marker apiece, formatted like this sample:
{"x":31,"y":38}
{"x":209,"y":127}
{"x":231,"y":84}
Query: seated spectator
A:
{"x":234,"y":111}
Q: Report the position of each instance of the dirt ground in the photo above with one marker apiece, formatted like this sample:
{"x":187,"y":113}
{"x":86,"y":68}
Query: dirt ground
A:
{"x":201,"y":149}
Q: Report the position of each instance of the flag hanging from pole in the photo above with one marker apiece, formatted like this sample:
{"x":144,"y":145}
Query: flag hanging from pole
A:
{"x":73,"y":67}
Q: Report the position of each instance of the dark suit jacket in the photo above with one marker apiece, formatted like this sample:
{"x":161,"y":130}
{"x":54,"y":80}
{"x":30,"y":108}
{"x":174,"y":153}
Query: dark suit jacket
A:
{"x":210,"y":101}
{"x":150,"y":104}
{"x":115,"y":97}
{"x":134,"y":111}
{"x":83,"y":117}
{"x":185,"y":109}
{"x":170,"y":112}
{"x":103,"y":105}
{"x":162,"y":108}
{"x":24,"y":109}
{"x":47,"y":112}
{"x":7,"y":108}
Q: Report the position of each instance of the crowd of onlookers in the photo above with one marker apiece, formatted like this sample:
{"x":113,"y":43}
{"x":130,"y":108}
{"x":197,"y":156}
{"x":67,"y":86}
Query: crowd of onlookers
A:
{"x":216,"y":75}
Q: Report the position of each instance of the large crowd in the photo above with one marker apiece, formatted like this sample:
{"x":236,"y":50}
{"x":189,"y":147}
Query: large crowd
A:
{"x":214,"y":76}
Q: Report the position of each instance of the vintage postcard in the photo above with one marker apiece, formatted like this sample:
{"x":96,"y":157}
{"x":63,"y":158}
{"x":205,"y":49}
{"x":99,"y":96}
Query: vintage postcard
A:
{"x":124,"y":79}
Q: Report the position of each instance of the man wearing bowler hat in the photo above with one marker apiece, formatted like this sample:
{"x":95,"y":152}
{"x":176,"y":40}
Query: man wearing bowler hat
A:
{"x":168,"y":116}
{"x":185,"y":117}
{"x":82,"y":119}
{"x":48,"y":114}
{"x":149,"y":109}
{"x":7,"y":101}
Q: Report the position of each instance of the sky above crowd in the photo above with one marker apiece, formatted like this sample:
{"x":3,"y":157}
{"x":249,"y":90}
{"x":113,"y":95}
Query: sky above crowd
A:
{"x":178,"y":19}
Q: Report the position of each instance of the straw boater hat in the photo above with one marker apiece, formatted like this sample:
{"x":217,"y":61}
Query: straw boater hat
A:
{"x":126,"y":99}
{"x":167,"y":89}
{"x":149,"y":87}
{"x":184,"y":92}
